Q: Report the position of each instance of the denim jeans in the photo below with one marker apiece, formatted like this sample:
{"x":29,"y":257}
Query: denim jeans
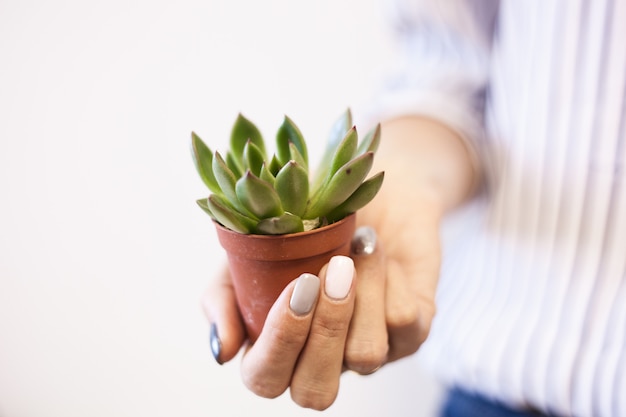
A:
{"x":460,"y":403}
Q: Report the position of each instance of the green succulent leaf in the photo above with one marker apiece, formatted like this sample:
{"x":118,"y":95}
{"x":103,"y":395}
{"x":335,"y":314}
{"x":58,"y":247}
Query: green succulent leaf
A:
{"x":337,"y":133}
{"x":371,"y":141}
{"x":203,"y":159}
{"x":343,"y":154}
{"x":290,"y":133}
{"x":253,"y":158}
{"x":280,"y":225}
{"x":362,"y":196}
{"x":229,"y":216}
{"x":275,"y":165}
{"x":244,"y":130}
{"x":225,"y":178}
{"x":266,"y":175}
{"x":253,"y":194}
{"x":292,"y":186}
{"x":345,"y":151}
{"x":345,"y":181}
{"x":204,"y":205}
{"x":258,"y":197}
{"x":235,"y":166}
{"x":297,"y":156}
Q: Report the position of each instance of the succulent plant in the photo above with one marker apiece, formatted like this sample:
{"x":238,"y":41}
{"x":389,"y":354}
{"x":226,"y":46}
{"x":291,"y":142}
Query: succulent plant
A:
{"x":253,"y":194}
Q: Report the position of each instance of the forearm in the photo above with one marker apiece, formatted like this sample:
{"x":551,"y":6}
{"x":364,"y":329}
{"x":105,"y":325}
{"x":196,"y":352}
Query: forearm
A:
{"x":429,"y":159}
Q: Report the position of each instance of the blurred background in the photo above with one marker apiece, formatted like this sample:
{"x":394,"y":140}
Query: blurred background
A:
{"x":103,"y":251}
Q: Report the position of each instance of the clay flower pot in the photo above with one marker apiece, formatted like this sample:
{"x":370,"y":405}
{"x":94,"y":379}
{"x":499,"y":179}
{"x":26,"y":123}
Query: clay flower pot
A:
{"x":261,"y":266}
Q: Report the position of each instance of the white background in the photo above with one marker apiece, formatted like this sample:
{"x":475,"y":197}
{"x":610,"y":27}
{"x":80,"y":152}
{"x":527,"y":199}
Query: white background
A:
{"x":103,"y":252}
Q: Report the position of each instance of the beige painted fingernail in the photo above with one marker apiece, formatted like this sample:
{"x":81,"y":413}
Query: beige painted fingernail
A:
{"x":339,"y":277}
{"x":304,"y":294}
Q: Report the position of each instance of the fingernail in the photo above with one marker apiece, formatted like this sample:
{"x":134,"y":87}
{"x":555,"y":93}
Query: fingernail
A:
{"x":304,"y":294}
{"x":339,"y":277}
{"x":216,"y":343}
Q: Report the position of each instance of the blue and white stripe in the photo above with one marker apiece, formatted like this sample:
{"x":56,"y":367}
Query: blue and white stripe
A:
{"x":532,"y":300}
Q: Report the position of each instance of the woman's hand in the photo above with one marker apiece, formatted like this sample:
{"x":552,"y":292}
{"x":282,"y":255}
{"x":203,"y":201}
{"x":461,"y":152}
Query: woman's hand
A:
{"x":302,"y":343}
{"x":396,"y":286}
{"x":358,"y":315}
{"x":428,"y":171}
{"x":361,"y":313}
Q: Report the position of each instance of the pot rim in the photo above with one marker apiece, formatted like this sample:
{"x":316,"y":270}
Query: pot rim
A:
{"x":225,"y":229}
{"x":288,"y":246}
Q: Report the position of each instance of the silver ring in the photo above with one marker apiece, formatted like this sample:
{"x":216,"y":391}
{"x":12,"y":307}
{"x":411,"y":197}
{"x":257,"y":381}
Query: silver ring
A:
{"x":364,"y":241}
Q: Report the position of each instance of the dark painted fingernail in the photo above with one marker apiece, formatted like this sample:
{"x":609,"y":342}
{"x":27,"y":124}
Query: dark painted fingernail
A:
{"x":216,"y":343}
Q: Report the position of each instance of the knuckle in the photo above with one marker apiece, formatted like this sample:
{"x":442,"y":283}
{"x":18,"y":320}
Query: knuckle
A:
{"x":401,"y":315}
{"x":286,"y":339}
{"x":364,"y":357}
{"x":419,"y":313}
{"x":329,"y":328}
{"x":409,"y":332}
{"x":315,"y":398}
{"x":263,"y":387}
{"x":266,"y":376}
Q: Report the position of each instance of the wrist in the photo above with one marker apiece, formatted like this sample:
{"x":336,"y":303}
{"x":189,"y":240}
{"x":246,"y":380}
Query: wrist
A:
{"x":426,"y":159}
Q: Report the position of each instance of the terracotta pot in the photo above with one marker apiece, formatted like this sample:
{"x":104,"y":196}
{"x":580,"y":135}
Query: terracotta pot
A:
{"x":261,"y":266}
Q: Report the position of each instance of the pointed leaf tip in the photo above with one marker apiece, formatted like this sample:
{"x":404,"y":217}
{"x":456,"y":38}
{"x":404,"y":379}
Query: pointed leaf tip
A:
{"x":229,"y":216}
{"x":203,"y":161}
{"x":290,"y":133}
{"x":242,"y":131}
{"x":359,"y":198}
{"x":280,"y":225}
{"x":345,"y":181}
{"x":292,"y":186}
{"x":371,"y":141}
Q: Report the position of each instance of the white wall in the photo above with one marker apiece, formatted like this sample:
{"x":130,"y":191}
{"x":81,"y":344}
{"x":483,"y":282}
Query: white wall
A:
{"x":103,"y":252}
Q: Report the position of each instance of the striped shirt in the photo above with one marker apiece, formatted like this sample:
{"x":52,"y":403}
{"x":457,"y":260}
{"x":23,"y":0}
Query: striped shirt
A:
{"x":532,"y":297}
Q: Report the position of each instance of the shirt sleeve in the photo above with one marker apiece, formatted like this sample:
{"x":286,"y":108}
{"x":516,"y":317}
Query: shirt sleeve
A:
{"x":442,"y":63}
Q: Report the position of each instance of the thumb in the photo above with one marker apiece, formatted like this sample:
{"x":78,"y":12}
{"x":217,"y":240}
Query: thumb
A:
{"x":220,"y":307}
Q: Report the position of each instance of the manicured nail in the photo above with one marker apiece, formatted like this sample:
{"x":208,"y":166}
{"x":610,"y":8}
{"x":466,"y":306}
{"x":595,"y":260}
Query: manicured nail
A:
{"x":216,"y":343}
{"x":339,"y":277}
{"x":304,"y":294}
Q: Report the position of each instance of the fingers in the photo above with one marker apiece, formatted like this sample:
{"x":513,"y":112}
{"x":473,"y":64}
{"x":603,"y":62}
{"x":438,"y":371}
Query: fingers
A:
{"x":220,"y":307}
{"x":303,"y":339}
{"x":367,"y":344}
{"x":410,"y":294}
{"x":395,"y":297}
{"x":315,"y":381}
{"x":268,"y":365}
{"x":409,"y":322}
